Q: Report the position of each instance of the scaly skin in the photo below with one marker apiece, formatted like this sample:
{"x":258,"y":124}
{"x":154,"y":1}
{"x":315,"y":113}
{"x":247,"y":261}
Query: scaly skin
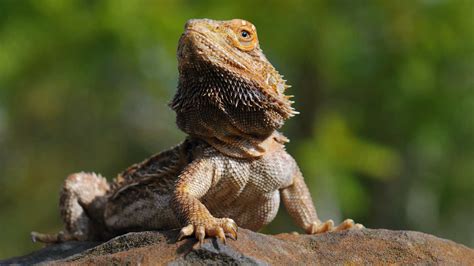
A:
{"x":232,"y":169}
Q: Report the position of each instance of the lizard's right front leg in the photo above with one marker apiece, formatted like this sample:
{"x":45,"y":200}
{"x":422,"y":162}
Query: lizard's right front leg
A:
{"x":193,"y":183}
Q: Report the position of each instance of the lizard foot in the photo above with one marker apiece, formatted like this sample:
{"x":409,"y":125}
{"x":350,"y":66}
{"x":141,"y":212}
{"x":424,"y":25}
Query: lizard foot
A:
{"x":218,"y":228}
{"x":52,"y":238}
{"x":328,"y":226}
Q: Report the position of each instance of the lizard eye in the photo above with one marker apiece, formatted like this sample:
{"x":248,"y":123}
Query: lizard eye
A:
{"x":242,"y":35}
{"x":245,"y":34}
{"x":247,"y":39}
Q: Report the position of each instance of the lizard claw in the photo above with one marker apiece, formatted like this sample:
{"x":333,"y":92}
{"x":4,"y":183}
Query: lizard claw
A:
{"x":318,"y":227}
{"x":220,"y":234}
{"x":200,"y":234}
{"x":230,"y":227}
{"x":346,"y":224}
{"x":328,"y":226}
{"x":359,"y":226}
{"x":185,"y":231}
{"x":218,"y":228}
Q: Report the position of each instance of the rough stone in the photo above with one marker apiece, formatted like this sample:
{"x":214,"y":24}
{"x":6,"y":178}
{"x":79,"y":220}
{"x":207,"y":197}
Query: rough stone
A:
{"x":367,"y":246}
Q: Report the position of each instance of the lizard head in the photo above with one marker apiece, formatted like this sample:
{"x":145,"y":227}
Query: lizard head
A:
{"x":225,"y":56}
{"x":222,"y":67}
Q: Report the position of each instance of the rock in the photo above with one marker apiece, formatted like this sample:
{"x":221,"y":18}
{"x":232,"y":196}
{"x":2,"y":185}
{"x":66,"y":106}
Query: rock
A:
{"x":367,"y":246}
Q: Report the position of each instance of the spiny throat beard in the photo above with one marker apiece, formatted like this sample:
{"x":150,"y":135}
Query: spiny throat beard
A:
{"x":231,"y":101}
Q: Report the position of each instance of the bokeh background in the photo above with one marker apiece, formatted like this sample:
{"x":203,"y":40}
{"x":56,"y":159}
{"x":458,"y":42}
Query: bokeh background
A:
{"x":385,"y":90}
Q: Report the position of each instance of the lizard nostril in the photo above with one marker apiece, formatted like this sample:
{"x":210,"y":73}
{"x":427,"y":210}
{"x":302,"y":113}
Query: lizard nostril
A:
{"x":189,"y":23}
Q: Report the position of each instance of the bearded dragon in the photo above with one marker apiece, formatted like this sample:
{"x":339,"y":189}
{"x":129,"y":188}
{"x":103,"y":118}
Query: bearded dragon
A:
{"x":232,"y":170}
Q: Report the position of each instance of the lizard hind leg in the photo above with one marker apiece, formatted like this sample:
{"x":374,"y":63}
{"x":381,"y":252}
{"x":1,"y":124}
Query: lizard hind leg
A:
{"x":82,"y":201}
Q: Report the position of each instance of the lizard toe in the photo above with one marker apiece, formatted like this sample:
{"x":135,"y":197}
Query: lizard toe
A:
{"x":318,"y":227}
{"x":222,"y":227}
{"x":218,"y":228}
{"x":220,"y":234}
{"x":230,"y":228}
{"x":54,"y":238}
{"x":200,"y":234}
{"x":328,"y":226}
{"x":359,"y":226}
{"x":44,"y":238}
{"x":185,"y":231}
{"x":348,"y":224}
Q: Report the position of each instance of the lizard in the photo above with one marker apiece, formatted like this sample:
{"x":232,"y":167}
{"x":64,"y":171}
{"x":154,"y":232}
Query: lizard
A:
{"x":232,"y":169}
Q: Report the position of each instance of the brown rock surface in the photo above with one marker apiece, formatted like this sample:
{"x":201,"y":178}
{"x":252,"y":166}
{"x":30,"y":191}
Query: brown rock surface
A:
{"x":366,"y":246}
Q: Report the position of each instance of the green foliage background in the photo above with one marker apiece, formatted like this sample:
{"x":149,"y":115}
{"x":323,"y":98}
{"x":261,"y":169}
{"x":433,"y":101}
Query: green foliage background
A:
{"x":385,"y":90}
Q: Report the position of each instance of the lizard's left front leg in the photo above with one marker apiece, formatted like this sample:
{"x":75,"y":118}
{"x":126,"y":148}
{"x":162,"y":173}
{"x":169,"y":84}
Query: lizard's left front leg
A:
{"x":299,"y":204}
{"x":193,"y":183}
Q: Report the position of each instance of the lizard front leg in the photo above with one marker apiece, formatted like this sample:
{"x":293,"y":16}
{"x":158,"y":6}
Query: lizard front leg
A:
{"x":193,"y":183}
{"x":299,"y":204}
